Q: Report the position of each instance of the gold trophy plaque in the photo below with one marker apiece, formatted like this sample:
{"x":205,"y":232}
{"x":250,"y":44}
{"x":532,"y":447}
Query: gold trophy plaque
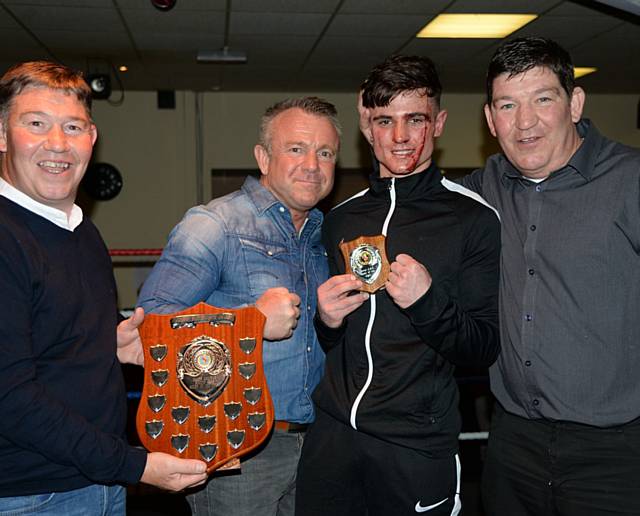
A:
{"x":365,"y":257}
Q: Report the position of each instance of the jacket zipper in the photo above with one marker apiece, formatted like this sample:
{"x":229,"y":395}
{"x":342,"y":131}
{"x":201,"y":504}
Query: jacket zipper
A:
{"x":372,"y":315}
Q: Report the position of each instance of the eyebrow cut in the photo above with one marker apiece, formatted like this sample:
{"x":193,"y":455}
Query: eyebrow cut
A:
{"x":426,"y":116}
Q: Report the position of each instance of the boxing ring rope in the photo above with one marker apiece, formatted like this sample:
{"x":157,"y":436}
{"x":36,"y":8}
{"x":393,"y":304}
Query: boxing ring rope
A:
{"x":151,"y":252}
{"x":135,"y":252}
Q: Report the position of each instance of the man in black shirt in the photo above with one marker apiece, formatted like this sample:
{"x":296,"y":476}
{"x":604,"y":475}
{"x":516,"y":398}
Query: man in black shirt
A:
{"x":565,"y":437}
{"x":385,"y":440}
{"x":62,"y":399}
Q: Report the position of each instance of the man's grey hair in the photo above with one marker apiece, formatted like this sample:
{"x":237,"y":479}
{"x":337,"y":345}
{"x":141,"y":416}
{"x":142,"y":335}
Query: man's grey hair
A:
{"x":311,"y":105}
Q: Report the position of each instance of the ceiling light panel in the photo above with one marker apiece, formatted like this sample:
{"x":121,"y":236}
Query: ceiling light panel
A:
{"x":474,"y":25}
{"x":581,"y":71}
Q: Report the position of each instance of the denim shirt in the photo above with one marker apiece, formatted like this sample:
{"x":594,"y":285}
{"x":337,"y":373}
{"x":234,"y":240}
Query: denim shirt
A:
{"x":228,"y":253}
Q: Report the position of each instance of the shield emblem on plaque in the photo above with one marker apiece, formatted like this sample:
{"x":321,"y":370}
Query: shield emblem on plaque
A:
{"x":204,"y":395}
{"x":365,"y":257}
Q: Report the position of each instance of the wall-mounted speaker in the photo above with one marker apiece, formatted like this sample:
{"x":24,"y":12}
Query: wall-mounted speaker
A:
{"x":166,"y":99}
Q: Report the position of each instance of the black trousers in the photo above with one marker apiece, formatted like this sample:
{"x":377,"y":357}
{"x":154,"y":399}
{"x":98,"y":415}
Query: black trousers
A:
{"x":343,"y":472}
{"x":543,"y":468}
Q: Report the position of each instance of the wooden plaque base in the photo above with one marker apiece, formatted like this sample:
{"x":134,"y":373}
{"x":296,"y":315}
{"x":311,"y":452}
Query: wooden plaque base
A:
{"x":205,"y":395}
{"x":365,"y":257}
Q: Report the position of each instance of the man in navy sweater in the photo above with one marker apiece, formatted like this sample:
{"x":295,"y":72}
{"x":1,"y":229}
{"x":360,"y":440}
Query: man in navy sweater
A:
{"x":62,"y":399}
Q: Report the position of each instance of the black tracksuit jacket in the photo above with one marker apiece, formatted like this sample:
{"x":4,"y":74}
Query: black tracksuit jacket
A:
{"x":398,"y":384}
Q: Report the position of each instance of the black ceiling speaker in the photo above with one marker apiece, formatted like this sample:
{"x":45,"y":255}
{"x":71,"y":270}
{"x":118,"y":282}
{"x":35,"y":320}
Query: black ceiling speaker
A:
{"x":100,"y":85}
{"x":163,"y":5}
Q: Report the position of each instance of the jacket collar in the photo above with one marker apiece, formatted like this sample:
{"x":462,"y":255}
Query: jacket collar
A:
{"x":409,"y":187}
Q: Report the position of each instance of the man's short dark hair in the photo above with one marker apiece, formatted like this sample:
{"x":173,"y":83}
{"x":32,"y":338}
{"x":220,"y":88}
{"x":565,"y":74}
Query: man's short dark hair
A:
{"x":42,"y":74}
{"x":310,"y":105}
{"x":522,"y":54}
{"x":398,"y":74}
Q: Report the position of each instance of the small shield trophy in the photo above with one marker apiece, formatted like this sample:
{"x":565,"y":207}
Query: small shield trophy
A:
{"x":366,"y":258}
{"x":204,"y":395}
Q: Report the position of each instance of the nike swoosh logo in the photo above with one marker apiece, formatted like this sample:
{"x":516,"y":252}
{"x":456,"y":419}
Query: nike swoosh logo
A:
{"x":420,"y":508}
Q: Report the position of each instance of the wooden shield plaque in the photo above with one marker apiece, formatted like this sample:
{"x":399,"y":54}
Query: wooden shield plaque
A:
{"x":366,"y":258}
{"x":205,"y":395}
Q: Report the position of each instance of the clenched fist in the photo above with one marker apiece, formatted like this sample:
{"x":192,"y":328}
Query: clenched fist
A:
{"x":408,"y":281}
{"x":281,"y":308}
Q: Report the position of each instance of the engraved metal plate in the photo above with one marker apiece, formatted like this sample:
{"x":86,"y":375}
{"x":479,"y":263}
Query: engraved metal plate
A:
{"x":366,"y":263}
{"x":208,"y":451}
{"x":235,"y":438}
{"x":192,"y":320}
{"x":160,"y":377}
{"x":158,"y":352}
{"x":154,"y":428}
{"x":156,"y":402}
{"x":256,"y":420}
{"x":204,"y":368}
{"x":180,"y":414}
{"x":252,"y":395}
{"x":180,"y":442}
{"x":247,"y":369}
{"x":247,"y":345}
{"x":232,"y":410}
{"x":206,"y":423}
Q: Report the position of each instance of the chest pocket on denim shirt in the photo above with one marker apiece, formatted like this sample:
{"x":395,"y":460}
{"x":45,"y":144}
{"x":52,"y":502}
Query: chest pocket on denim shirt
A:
{"x":267,"y":265}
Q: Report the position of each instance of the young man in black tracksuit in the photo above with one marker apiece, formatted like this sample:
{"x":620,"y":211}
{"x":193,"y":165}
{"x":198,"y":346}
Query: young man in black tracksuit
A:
{"x":385,"y":439}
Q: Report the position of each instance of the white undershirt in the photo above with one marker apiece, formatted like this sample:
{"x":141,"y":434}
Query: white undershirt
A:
{"x":54,"y":215}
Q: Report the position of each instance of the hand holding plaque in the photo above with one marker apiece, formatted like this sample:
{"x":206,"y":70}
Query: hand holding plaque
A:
{"x":365,"y":257}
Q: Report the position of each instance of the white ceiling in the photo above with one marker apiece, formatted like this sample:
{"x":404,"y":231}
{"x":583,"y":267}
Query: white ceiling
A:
{"x":298,"y":45}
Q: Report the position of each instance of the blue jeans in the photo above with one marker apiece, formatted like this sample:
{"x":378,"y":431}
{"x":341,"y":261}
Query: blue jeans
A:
{"x":265,"y":486}
{"x":94,"y":500}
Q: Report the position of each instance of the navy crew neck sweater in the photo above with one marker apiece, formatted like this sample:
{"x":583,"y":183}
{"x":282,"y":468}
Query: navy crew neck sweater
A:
{"x":62,"y":395}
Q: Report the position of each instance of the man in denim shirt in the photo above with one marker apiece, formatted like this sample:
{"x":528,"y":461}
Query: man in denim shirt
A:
{"x":261,"y":245}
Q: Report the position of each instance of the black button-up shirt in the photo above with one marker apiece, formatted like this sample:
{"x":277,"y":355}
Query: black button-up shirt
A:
{"x":570,"y":284}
